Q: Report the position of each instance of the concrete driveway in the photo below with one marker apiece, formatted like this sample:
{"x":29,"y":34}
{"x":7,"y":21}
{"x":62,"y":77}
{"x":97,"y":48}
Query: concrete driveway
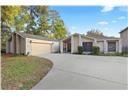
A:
{"x":85,"y":72}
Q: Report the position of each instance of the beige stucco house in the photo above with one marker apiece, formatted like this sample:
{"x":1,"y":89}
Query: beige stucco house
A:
{"x":22,"y":43}
{"x":124,"y":39}
{"x":106,"y":44}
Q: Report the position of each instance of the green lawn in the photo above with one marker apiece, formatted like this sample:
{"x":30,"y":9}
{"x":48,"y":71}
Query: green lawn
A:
{"x":23,"y":72}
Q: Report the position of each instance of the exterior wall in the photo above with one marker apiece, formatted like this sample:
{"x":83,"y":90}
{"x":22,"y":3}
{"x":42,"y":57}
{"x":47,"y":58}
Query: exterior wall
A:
{"x":75,"y":44}
{"x":55,"y":46}
{"x":17,"y":44}
{"x":100,"y":44}
{"x":124,"y":40}
{"x":22,"y":45}
{"x":77,"y":41}
{"x":84,"y":39}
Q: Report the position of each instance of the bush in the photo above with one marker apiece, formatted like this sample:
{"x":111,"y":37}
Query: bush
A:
{"x":3,"y":50}
{"x":80,"y":49}
{"x":95,"y":50}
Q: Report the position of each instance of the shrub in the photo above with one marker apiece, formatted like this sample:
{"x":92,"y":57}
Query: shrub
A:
{"x":95,"y":50}
{"x":80,"y":49}
{"x":3,"y":50}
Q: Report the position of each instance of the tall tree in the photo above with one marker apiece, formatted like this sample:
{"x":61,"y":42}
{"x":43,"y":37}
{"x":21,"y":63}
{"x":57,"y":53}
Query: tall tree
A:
{"x":44,"y":26}
{"x":8,"y":14}
{"x":60,"y":29}
{"x":94,"y":32}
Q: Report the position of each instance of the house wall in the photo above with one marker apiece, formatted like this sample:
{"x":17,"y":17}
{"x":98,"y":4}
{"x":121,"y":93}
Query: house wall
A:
{"x":100,"y":44}
{"x":124,"y":40}
{"x":84,"y":39}
{"x":77,"y":41}
{"x":22,"y":45}
{"x":75,"y":44}
{"x":55,"y":47}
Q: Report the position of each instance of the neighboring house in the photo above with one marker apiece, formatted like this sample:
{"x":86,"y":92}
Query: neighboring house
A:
{"x":124,"y":39}
{"x":106,"y":44}
{"x":22,"y":43}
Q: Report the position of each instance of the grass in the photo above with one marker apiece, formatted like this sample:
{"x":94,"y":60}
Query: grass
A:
{"x":23,"y":72}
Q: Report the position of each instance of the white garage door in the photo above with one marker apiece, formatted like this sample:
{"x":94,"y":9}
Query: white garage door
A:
{"x":41,"y":48}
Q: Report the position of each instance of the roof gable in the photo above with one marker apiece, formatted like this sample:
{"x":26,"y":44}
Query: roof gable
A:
{"x":124,"y":30}
{"x":25,"y":35}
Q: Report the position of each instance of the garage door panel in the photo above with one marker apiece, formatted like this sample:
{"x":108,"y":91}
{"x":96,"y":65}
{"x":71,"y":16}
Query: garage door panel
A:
{"x":41,"y":48}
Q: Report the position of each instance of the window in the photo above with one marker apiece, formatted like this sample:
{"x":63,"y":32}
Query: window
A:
{"x":111,"y":46}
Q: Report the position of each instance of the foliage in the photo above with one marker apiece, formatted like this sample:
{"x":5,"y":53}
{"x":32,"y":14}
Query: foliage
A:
{"x":8,"y":14}
{"x":37,"y":20}
{"x":60,"y":30}
{"x":95,"y":50}
{"x":94,"y":32}
{"x":114,"y":54}
{"x":80,"y":49}
{"x":44,"y":26}
{"x":4,"y":36}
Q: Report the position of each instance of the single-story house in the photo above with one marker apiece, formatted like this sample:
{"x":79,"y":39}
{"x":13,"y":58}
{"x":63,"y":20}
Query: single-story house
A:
{"x":22,"y":43}
{"x":106,"y":44}
{"x":124,"y":39}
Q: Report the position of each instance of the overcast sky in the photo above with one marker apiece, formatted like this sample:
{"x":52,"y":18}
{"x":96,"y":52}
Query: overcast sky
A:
{"x":108,"y":19}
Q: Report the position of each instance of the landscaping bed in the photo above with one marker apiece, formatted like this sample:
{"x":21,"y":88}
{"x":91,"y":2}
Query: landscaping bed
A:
{"x":23,"y":72}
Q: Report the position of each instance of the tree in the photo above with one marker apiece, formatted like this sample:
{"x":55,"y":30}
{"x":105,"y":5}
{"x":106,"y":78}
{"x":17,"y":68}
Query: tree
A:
{"x":38,"y":22}
{"x":94,"y":33}
{"x":8,"y":14}
{"x":21,"y":20}
{"x":53,"y":15}
{"x":44,"y":26}
{"x":60,"y":29}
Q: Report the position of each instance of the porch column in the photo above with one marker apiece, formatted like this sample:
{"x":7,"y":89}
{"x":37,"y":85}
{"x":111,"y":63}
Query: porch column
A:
{"x":13,"y":43}
{"x":95,"y":42}
{"x":72,"y":44}
{"x":120,"y":46}
{"x":80,"y":40}
{"x":61,"y":46}
{"x":7,"y":47}
{"x":17,"y":44}
{"x":105,"y":46}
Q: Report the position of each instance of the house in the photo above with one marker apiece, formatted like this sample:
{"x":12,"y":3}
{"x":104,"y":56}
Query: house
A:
{"x":124,"y":39}
{"x":106,"y":44}
{"x":22,"y":43}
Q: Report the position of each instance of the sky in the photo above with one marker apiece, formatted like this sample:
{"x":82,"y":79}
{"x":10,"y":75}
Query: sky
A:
{"x":108,"y":19}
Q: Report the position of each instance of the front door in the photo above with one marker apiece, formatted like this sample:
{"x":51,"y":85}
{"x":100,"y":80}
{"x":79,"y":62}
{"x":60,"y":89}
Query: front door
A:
{"x":87,"y":46}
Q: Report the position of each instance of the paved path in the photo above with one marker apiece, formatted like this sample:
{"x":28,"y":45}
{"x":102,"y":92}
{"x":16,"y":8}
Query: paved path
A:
{"x":85,"y":72}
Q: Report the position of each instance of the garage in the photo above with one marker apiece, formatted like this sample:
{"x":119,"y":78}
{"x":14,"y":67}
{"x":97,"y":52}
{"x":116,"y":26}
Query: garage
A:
{"x":38,"y":48}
